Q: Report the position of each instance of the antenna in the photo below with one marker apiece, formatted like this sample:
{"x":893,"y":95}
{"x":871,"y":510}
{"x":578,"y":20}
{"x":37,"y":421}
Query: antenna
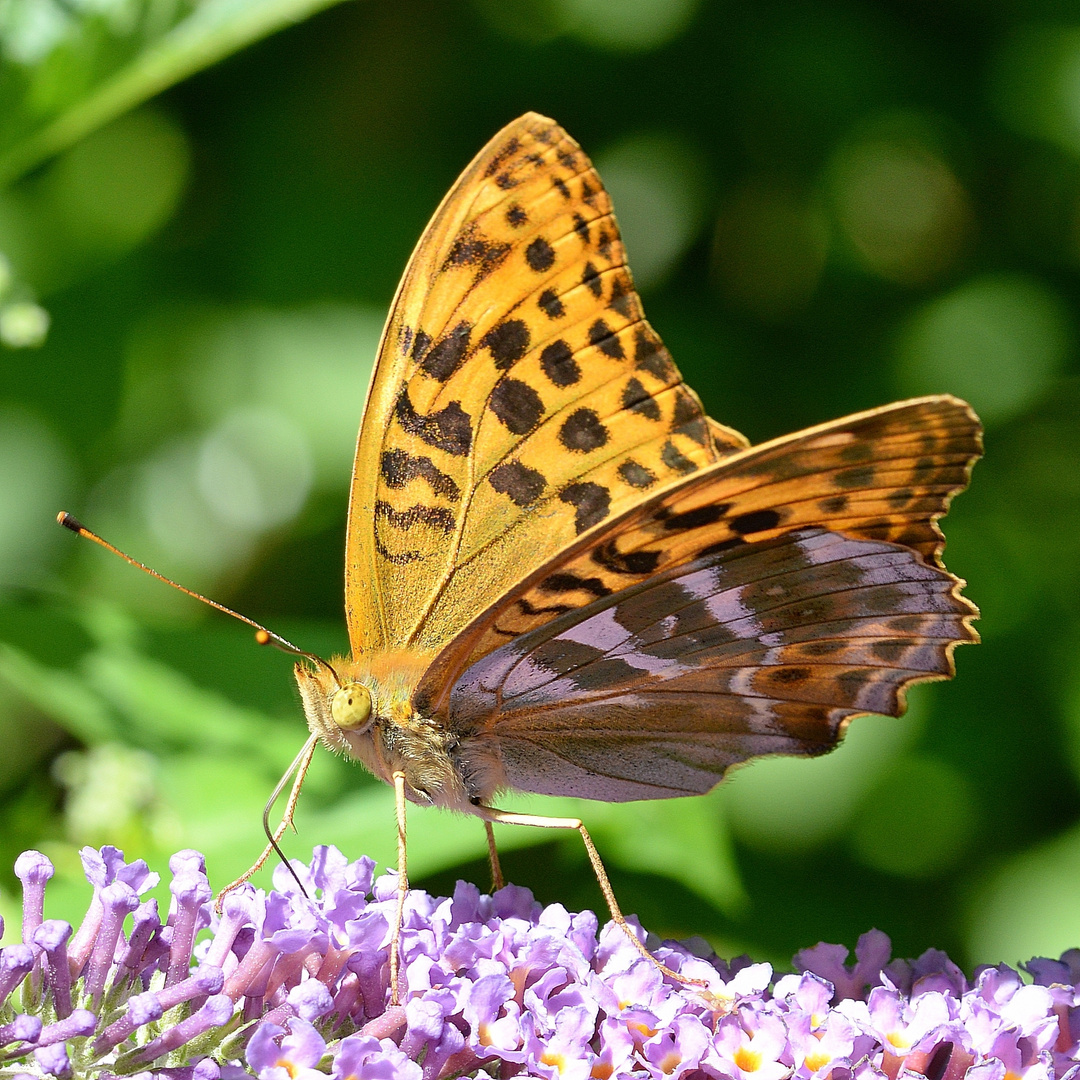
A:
{"x":262,"y":635}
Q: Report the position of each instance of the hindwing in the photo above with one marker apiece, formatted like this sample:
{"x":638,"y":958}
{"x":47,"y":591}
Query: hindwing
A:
{"x":763,"y":648}
{"x":887,"y":474}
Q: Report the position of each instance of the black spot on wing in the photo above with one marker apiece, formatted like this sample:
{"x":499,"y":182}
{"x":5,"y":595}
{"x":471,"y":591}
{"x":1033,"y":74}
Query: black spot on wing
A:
{"x":559,"y":365}
{"x":508,"y":342}
{"x":590,"y":278}
{"x":637,"y":399}
{"x":540,"y":255}
{"x":449,"y":429}
{"x":398,"y":558}
{"x":550,"y":304}
{"x":447,"y":354}
{"x":471,"y":248}
{"x":437,"y":517}
{"x":859,"y":477}
{"x":693,"y":519}
{"x":856,"y":451}
{"x":834,"y":504}
{"x":675,"y":459}
{"x":788,"y":676}
{"x":569,"y":582}
{"x":521,"y":484}
{"x":560,"y":656}
{"x":603,"y":244}
{"x":398,"y":468}
{"x":583,"y":431}
{"x":602,"y":336}
{"x":421,"y":342}
{"x":900,"y":498}
{"x":622,"y":295}
{"x":581,"y":227}
{"x":561,"y":188}
{"x":755,"y":521}
{"x":637,"y":476}
{"x":651,"y":356}
{"x":588,"y":192}
{"x":688,"y":419}
{"x":500,"y":157}
{"x":891,"y":650}
{"x":526,"y":608}
{"x":505,"y":181}
{"x":516,"y":216}
{"x":517,"y":405}
{"x":591,"y":501}
{"x":610,"y":558}
{"x":720,"y":547}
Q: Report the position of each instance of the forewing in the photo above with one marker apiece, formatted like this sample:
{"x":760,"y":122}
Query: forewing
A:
{"x":887,"y":474}
{"x":655,"y":691}
{"x":519,"y":398}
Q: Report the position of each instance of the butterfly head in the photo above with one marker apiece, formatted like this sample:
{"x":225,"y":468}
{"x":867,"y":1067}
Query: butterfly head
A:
{"x":348,"y":703}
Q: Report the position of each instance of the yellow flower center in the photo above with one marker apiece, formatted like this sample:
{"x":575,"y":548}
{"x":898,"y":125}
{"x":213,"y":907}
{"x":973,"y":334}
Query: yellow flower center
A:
{"x":748,"y":1060}
{"x":670,"y":1062}
{"x":551,"y":1058}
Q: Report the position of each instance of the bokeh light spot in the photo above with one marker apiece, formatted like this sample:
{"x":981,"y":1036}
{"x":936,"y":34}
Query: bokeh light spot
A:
{"x":193,"y":540}
{"x":900,"y":208}
{"x":656,"y":184}
{"x":1035,"y":83}
{"x":787,"y":804}
{"x":31,"y":29}
{"x":23,"y":325}
{"x":255,"y":469}
{"x":611,"y":25}
{"x":997,"y":341}
{"x":627,"y":25}
{"x":917,"y":820}
{"x":1028,"y":907}
{"x":310,"y":365}
{"x":122,"y":183}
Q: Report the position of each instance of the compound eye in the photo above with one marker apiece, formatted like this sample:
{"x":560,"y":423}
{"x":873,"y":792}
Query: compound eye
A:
{"x":350,"y":706}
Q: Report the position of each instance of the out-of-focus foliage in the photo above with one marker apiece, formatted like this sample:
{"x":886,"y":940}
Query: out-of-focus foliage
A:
{"x":828,"y":206}
{"x":68,"y":68}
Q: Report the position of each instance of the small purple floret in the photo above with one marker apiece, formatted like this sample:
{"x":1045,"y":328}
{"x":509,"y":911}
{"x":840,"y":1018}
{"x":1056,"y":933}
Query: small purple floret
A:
{"x":496,"y":986}
{"x":33,"y":869}
{"x":53,"y":1060}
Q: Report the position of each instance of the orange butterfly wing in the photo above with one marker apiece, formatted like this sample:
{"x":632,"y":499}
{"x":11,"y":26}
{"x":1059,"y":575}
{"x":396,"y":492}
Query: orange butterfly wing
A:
{"x":887,"y":474}
{"x":519,"y":398}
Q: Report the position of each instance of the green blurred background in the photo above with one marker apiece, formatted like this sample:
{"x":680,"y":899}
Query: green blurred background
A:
{"x":204,"y":210}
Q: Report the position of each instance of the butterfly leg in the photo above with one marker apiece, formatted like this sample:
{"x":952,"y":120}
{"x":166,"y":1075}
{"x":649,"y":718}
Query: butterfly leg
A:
{"x":300,"y":768}
{"x":491,"y":814}
{"x":403,"y":888}
{"x":497,"y":879}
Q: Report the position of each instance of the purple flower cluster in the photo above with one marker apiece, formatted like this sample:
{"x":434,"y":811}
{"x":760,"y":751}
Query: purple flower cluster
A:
{"x":290,"y":988}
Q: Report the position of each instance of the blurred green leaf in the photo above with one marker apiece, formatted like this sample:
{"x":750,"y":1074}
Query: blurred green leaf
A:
{"x":1028,"y":906}
{"x":792,"y":804}
{"x":917,"y":820}
{"x":66,"y":71}
{"x":60,"y":695}
{"x":165,"y":710}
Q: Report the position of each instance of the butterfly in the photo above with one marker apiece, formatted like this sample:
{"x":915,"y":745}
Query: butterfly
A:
{"x":562,"y":577}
